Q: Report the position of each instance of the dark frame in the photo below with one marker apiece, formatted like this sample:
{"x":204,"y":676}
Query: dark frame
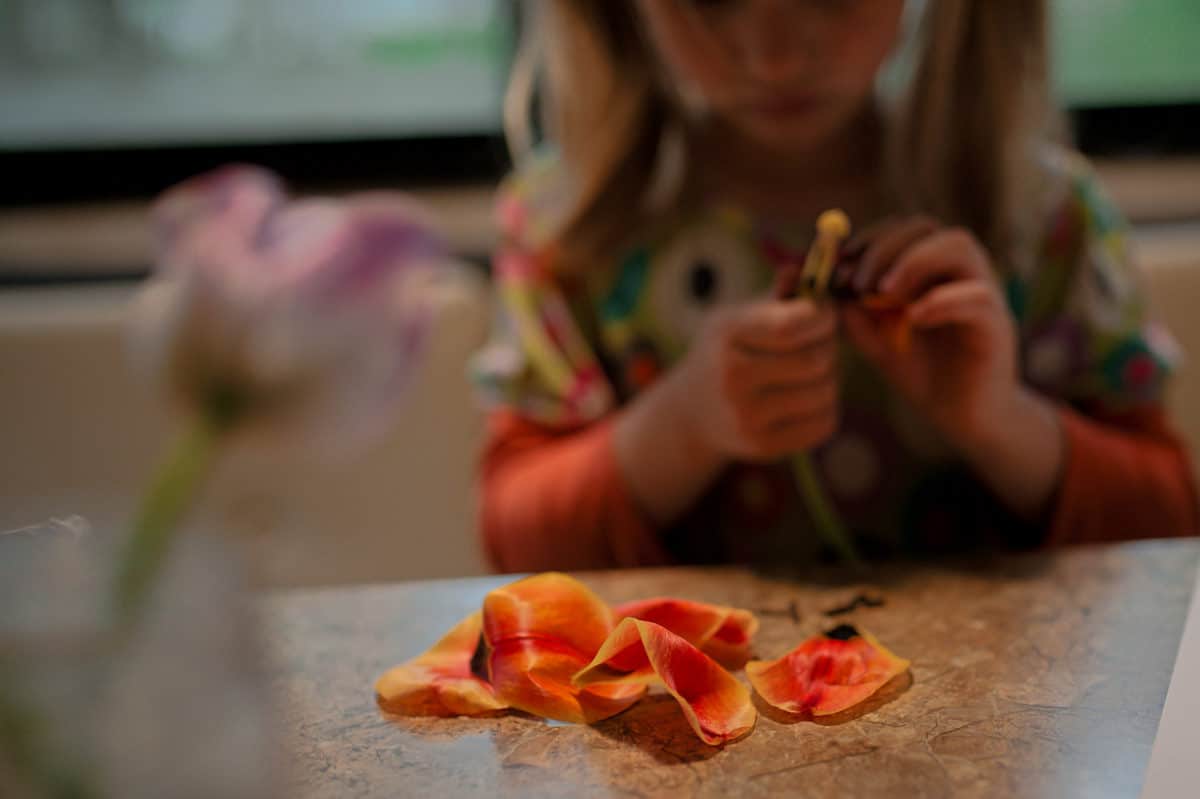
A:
{"x":1137,"y":131}
{"x":49,"y":177}
{"x":46,"y":177}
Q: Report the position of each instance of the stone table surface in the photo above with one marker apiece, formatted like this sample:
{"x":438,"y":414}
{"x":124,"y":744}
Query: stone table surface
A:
{"x":1033,"y":676}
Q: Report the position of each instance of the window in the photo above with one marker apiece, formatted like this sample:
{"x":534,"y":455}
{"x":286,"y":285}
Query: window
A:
{"x":1127,"y":52}
{"x":154,"y":72}
{"x":1130,"y":72}
{"x":125,"y":96}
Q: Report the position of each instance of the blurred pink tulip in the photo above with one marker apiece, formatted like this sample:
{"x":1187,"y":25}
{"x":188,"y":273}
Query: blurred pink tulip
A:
{"x":296,"y":319}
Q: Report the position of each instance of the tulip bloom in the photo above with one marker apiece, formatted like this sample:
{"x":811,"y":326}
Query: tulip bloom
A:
{"x":272,"y":320}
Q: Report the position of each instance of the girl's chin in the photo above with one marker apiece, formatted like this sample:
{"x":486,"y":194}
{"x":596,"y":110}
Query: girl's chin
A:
{"x":801,"y":131}
{"x":801,"y":135}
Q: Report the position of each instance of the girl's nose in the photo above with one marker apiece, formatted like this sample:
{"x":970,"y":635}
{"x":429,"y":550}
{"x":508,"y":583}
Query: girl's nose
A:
{"x":775,"y":40}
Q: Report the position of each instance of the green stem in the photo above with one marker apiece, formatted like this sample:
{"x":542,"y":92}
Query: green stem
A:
{"x":829,"y":524}
{"x":171,"y":492}
{"x":27,"y":757}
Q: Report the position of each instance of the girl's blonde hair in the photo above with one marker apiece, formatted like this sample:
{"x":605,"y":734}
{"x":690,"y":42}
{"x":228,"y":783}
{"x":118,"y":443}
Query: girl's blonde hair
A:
{"x":961,"y":135}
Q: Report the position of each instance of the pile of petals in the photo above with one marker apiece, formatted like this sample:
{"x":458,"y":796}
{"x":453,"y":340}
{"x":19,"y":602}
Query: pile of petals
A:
{"x":548,"y":646}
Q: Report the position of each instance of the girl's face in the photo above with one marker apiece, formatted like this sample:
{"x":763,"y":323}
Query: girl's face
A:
{"x":787,"y":74}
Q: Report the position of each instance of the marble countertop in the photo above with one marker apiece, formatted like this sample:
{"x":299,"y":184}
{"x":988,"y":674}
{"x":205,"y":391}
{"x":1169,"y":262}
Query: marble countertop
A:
{"x":1034,"y":676}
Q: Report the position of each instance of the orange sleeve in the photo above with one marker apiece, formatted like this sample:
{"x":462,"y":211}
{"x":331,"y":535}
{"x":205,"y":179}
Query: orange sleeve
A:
{"x":1125,"y":477}
{"x":555,"y":500}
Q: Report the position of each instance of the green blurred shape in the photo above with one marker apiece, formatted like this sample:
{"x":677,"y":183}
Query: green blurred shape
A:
{"x":488,"y":44}
{"x":1126,"y":52}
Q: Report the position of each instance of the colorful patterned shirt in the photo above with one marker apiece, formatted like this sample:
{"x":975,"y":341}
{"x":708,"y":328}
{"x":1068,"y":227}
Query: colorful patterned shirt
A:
{"x":565,"y":359}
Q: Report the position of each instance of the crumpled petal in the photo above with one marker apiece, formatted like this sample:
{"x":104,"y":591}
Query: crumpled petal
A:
{"x":440,"y":682}
{"x":638,"y":652}
{"x":827,"y":673}
{"x":541,"y":631}
{"x":890,"y":313}
{"x":534,"y":675}
{"x":724,"y":633}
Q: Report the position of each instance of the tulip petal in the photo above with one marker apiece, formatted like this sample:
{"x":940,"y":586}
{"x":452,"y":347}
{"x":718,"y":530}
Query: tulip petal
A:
{"x":541,"y":631}
{"x":534,"y":675}
{"x":724,"y":633}
{"x":827,"y":673}
{"x":547,"y":605}
{"x":638,"y":652}
{"x":239,"y":197}
{"x":440,"y":682}
{"x":890,"y":314}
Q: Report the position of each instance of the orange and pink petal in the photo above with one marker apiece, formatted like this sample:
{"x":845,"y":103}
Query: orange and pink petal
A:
{"x":638,"y":653}
{"x":721,"y":632}
{"x":548,"y":605}
{"x":827,"y":673}
{"x":441,"y":681}
{"x":541,"y":631}
{"x":534,"y":675}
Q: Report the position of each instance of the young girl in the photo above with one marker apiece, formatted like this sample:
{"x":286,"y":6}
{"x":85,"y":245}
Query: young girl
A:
{"x":649,"y":394}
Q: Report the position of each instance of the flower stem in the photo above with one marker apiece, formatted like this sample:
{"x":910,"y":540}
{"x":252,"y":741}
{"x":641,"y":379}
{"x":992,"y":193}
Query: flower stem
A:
{"x":829,"y":524}
{"x":170,"y":494}
{"x":26,"y":755}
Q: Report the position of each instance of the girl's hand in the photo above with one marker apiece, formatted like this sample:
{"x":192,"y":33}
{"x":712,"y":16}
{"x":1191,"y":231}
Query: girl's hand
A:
{"x":761,"y":380}
{"x":959,"y":365}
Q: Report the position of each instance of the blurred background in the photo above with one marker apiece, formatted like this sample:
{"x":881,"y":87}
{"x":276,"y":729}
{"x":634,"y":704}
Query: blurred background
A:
{"x":155,"y":72}
{"x":103,"y":103}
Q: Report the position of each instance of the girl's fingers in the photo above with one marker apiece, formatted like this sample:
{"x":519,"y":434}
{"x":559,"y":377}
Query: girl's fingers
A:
{"x":753,"y":372}
{"x":886,"y":247}
{"x":864,"y":333}
{"x":939,"y":258}
{"x":799,"y":433}
{"x":866,"y":236}
{"x":862,"y":238}
{"x":782,"y":327}
{"x":962,"y":302}
{"x":769,"y":407}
